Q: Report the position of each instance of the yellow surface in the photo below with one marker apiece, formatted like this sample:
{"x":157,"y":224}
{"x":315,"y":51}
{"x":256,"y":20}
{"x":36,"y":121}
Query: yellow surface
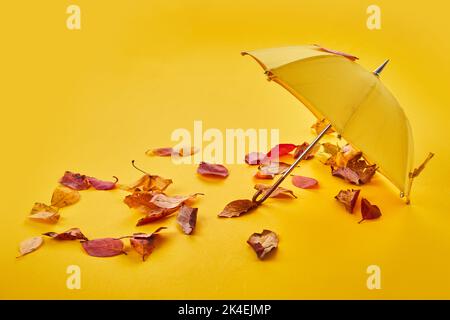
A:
{"x":92,"y":100}
{"x":352,"y":99}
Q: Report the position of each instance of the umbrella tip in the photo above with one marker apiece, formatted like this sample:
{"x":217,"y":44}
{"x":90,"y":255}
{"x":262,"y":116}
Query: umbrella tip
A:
{"x":380,"y":68}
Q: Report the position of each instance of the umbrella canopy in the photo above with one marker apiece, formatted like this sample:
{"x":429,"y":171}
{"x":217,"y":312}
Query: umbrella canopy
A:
{"x":354,"y":100}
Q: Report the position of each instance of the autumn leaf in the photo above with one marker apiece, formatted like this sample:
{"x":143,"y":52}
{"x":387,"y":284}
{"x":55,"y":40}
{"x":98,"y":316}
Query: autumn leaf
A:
{"x":163,"y":201}
{"x":346,"y":174}
{"x":237,"y":207}
{"x":71,"y":234}
{"x":279,"y":192}
{"x":186,"y":151}
{"x":147,"y":182}
{"x":280,"y":150}
{"x":330,"y":148}
{"x":104,"y":247}
{"x":304,"y":182}
{"x":263,"y":243}
{"x":160,"y":152}
{"x":29,"y":245}
{"x":302,"y":147}
{"x":102,"y":185}
{"x":75,"y":181}
{"x":369,"y":211}
{"x":209,"y":169}
{"x":255,"y":158}
{"x":155,"y":214}
{"x":320,"y":125}
{"x":270,"y":169}
{"x":144,"y":244}
{"x":339,"y":53}
{"x":356,"y":170}
{"x":187,"y":218}
{"x":44,"y":213}
{"x":63,"y":197}
{"x":348,"y":198}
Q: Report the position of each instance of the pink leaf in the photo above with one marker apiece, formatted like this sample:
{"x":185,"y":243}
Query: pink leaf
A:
{"x":304,"y":182}
{"x":75,"y":181}
{"x":162,"y":152}
{"x":102,"y":185}
{"x":254,"y":158}
{"x":106,"y":247}
{"x":212,"y":170}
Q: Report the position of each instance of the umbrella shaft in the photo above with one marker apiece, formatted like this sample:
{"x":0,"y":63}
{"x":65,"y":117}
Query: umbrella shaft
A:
{"x":288,"y":171}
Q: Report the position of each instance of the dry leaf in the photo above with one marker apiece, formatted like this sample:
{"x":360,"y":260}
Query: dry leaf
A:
{"x":63,"y":197}
{"x":255,"y":158}
{"x":102,"y":185}
{"x":272,"y":168}
{"x":187,"y":218}
{"x":105,"y":247}
{"x":163,"y":201}
{"x":348,"y":198}
{"x":75,"y":181}
{"x":304,"y":182}
{"x":71,"y":234}
{"x":320,"y":125}
{"x":155,"y":214}
{"x":280,"y":150}
{"x":279,"y":192}
{"x":144,"y":243}
{"x":346,"y":174}
{"x":302,"y":147}
{"x":29,"y":245}
{"x":263,"y":243}
{"x":237,"y":207}
{"x":149,"y":183}
{"x":330,"y":148}
{"x":369,"y":211}
{"x":186,"y":151}
{"x":160,"y":152}
{"x":44,"y":213}
{"x":209,"y":169}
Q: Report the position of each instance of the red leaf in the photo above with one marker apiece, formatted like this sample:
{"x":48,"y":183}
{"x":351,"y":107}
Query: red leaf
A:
{"x":105,"y":247}
{"x":346,"y":174}
{"x":101,"y":184}
{"x":254,"y":158}
{"x":304,"y":182}
{"x":144,"y":243}
{"x":346,"y":55}
{"x":75,"y":181}
{"x":71,"y":234}
{"x":155,"y":214}
{"x":280,"y":150}
{"x":237,"y":207}
{"x":187,"y":218}
{"x":161,"y":152}
{"x":212,"y":170}
{"x":302,"y":147}
{"x":263,"y":243}
{"x":348,"y":198}
{"x":369,"y":211}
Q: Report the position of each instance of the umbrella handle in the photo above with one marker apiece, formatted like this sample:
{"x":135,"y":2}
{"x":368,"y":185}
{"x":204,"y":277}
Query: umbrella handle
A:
{"x":288,"y":171}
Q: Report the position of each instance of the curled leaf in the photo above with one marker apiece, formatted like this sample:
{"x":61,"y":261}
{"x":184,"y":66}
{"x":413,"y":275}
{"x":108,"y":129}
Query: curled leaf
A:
{"x":105,"y":247}
{"x":209,"y":169}
{"x":102,"y":185}
{"x":346,"y":174}
{"x":44,"y":213}
{"x":75,"y":181}
{"x":279,"y":192}
{"x":63,"y":196}
{"x":155,"y":214}
{"x":29,"y":245}
{"x":270,"y":169}
{"x":255,"y":158}
{"x":280,"y":150}
{"x":304,"y":182}
{"x":348,"y":198}
{"x":144,"y":244}
{"x":149,"y":183}
{"x":320,"y":125}
{"x":71,"y":234}
{"x":163,"y":201}
{"x":160,"y":152}
{"x":237,"y":207}
{"x":369,"y":211}
{"x":330,"y":148}
{"x":263,"y":243}
{"x":302,"y":147}
{"x":339,"y":53}
{"x":187,"y":218}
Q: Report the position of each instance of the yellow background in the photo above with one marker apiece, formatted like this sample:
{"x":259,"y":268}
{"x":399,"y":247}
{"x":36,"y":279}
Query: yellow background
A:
{"x":94,"y":99}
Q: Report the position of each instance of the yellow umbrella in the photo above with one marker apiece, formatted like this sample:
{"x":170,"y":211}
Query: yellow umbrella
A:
{"x":353,"y":100}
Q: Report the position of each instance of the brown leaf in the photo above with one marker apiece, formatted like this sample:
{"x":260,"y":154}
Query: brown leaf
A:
{"x":160,"y":152}
{"x":148,"y":183}
{"x":63,"y":196}
{"x":279,"y":192}
{"x":330,"y":148}
{"x":209,"y":169}
{"x":348,"y":198}
{"x":105,"y":247}
{"x":187,"y":218}
{"x":320,"y":125}
{"x":304,"y":182}
{"x":155,"y":214}
{"x":163,"y":201}
{"x":71,"y":234}
{"x":44,"y":213}
{"x":144,"y":244}
{"x":142,"y":201}
{"x":346,"y":174}
{"x":263,"y":243}
{"x":302,"y":147}
{"x":272,"y":168}
{"x":29,"y":245}
{"x":75,"y":181}
{"x":369,"y":211}
{"x":237,"y":207}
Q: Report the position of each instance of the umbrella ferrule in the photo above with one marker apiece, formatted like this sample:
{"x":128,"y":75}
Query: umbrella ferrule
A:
{"x":380,"y":68}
